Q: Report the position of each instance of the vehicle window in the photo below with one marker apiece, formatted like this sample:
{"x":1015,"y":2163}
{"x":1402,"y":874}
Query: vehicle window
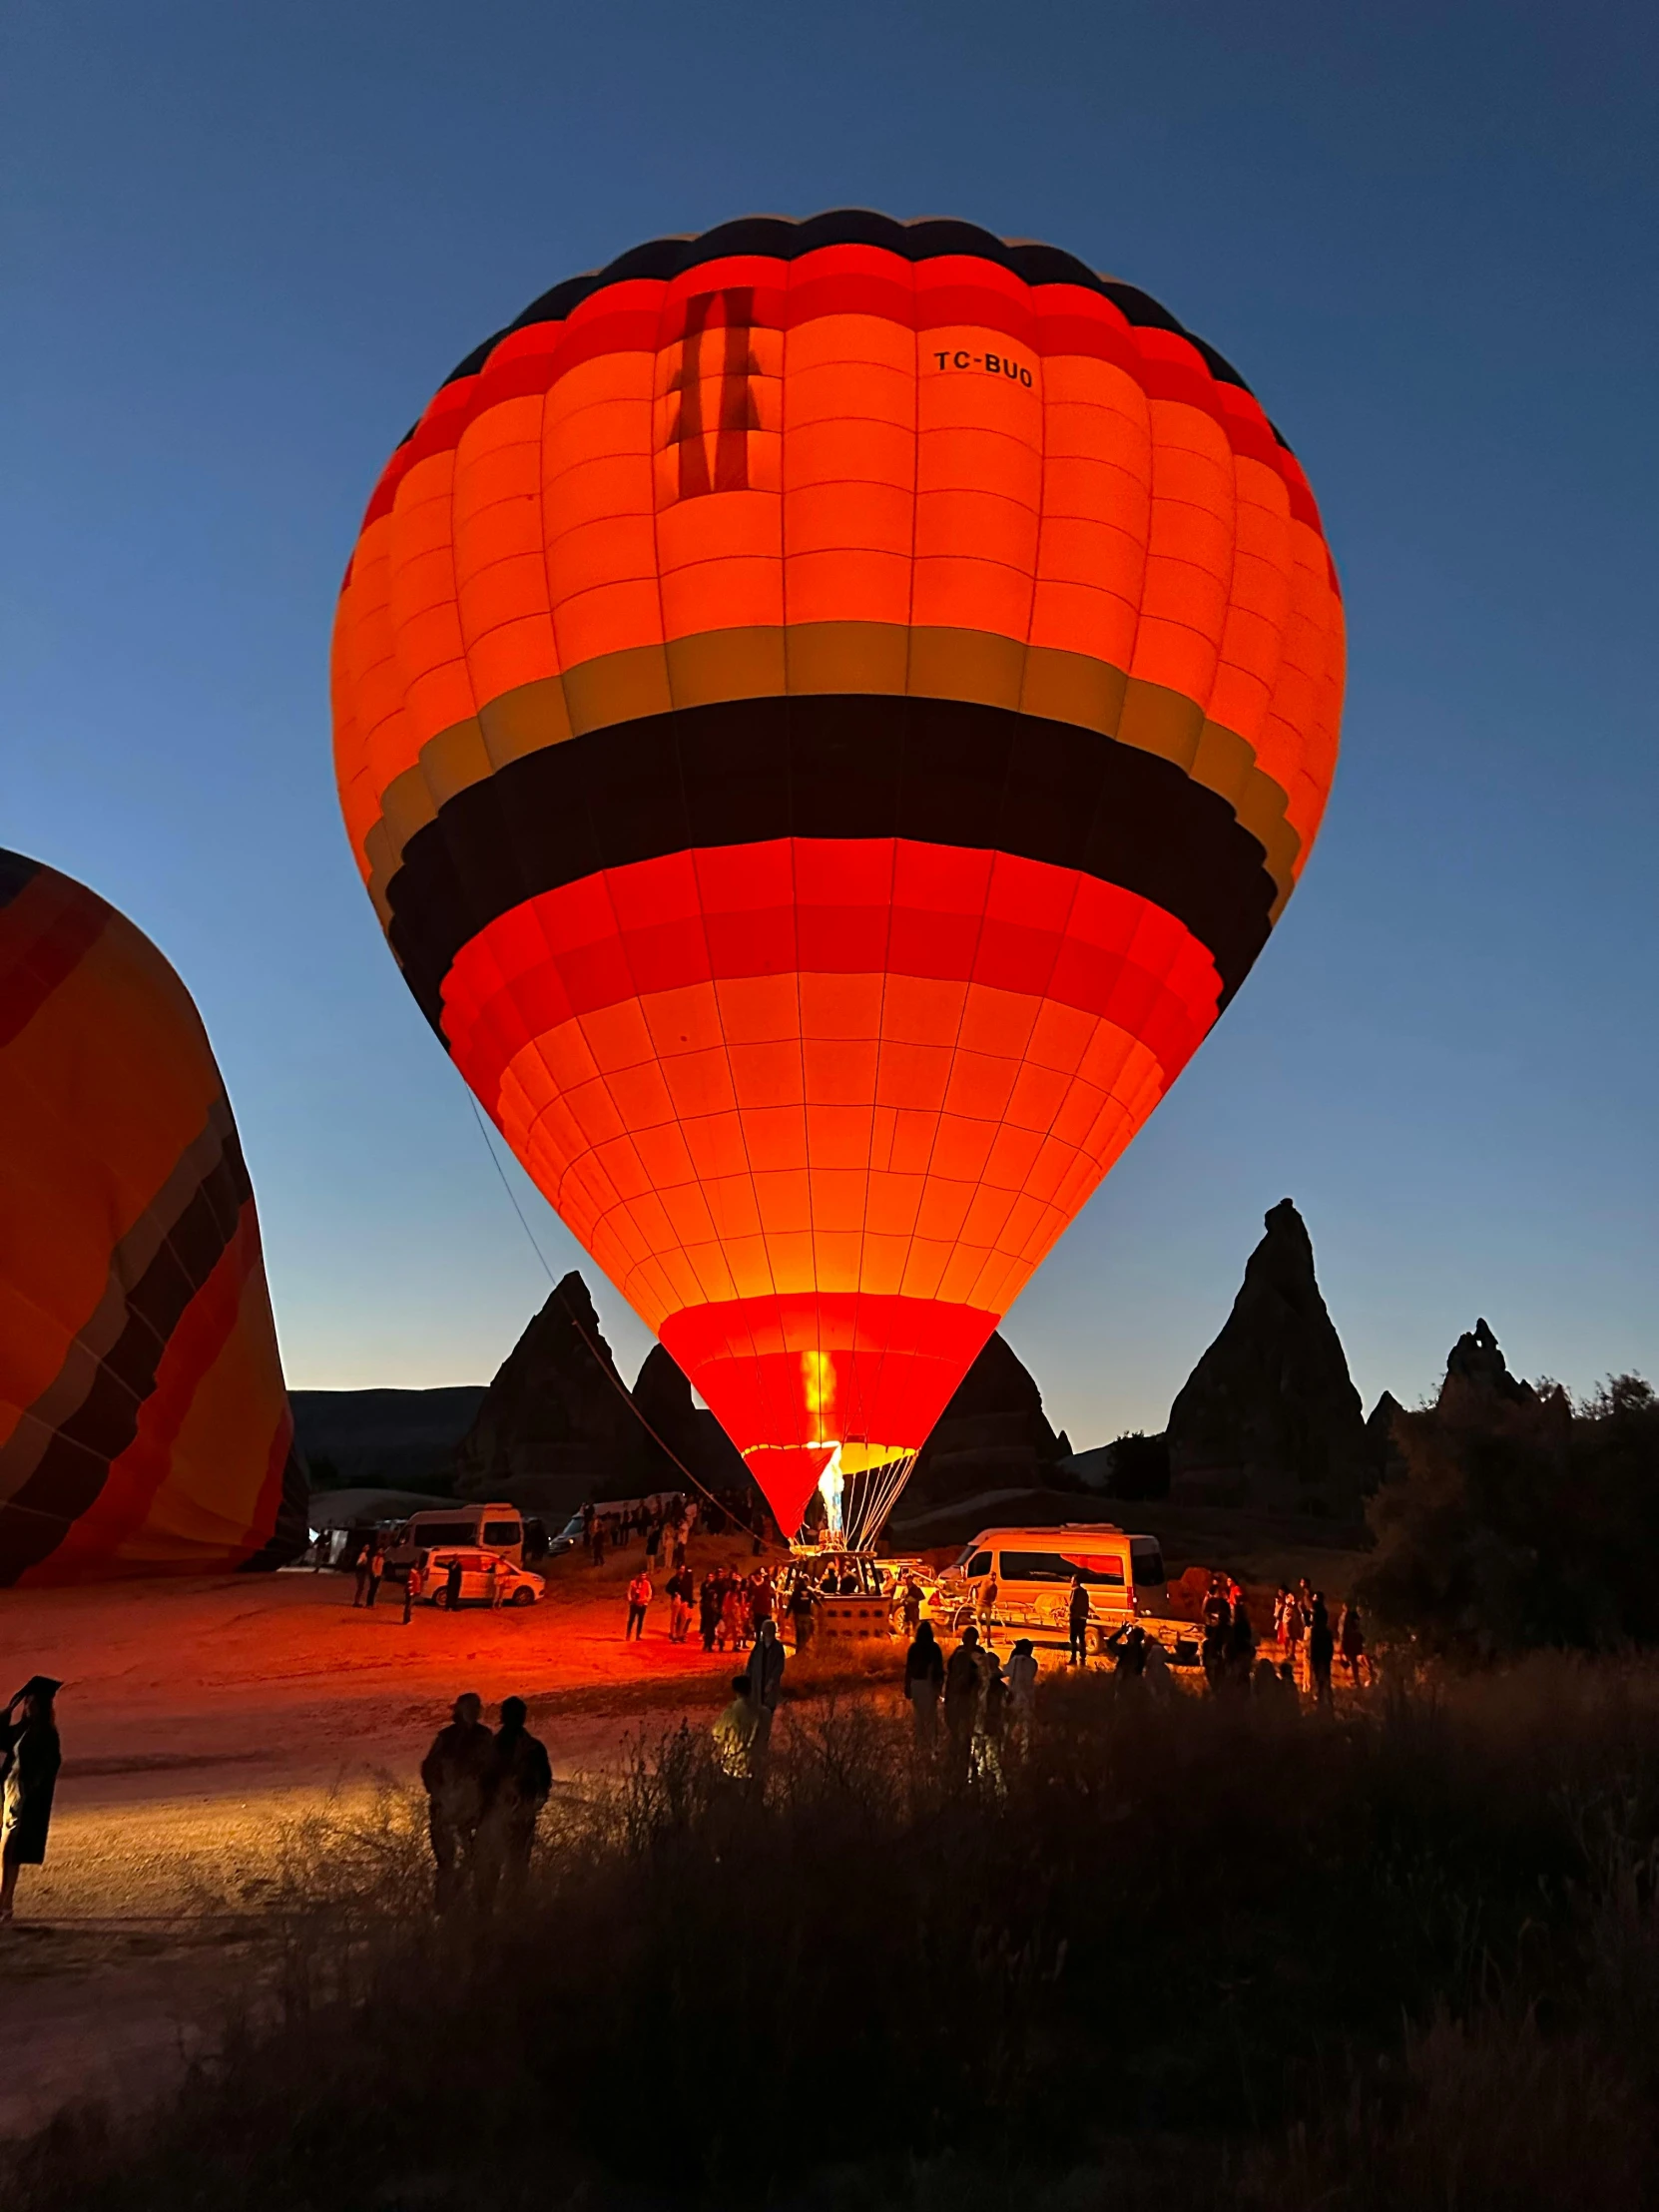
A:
{"x":1148,"y":1562}
{"x":449,"y":1533}
{"x":1054,"y":1566}
{"x":503,"y":1532}
{"x":980,"y":1563}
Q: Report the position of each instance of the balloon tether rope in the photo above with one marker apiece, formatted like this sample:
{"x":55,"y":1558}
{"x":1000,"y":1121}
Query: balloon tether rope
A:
{"x":604,"y":1366}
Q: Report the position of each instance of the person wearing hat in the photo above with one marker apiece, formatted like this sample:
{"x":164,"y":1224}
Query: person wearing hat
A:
{"x":29,"y":1761}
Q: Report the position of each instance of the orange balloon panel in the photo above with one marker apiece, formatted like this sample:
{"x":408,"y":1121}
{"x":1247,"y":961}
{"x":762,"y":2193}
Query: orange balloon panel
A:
{"x":828,"y":713}
{"x":144,"y":1423}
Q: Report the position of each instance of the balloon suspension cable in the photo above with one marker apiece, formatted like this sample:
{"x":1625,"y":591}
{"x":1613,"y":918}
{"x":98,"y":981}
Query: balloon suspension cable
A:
{"x":877,"y":1493}
{"x":604,"y":1366}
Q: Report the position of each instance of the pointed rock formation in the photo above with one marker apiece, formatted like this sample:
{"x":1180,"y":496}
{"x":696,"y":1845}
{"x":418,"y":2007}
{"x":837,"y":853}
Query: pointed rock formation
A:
{"x":691,"y":1432}
{"x":993,"y":1436}
{"x":1270,"y":1418}
{"x":556,"y":1425}
{"x":1475,"y":1366}
{"x":1383,"y":1447}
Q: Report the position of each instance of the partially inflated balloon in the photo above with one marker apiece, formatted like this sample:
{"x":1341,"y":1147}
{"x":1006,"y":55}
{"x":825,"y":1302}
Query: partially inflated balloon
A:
{"x":144,"y":1423}
{"x":828,"y":715}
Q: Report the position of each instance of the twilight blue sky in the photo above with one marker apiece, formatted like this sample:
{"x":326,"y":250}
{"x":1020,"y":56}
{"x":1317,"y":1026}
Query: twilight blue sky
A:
{"x":243,"y":243}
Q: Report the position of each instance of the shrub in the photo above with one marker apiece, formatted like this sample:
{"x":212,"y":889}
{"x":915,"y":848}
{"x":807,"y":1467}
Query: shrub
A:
{"x":1184,"y":1951}
{"x":1140,"y":1466}
{"x":1520,"y":1524}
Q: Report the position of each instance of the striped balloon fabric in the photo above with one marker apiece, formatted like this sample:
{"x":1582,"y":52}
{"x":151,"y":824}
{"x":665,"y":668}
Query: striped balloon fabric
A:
{"x":828,"y":713}
{"x":144,"y":1423}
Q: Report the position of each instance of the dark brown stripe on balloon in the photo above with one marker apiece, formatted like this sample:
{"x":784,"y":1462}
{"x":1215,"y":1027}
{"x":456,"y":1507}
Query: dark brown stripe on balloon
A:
{"x":291,"y":1532}
{"x":47,"y":927}
{"x":72,"y":1467}
{"x":747,"y":771}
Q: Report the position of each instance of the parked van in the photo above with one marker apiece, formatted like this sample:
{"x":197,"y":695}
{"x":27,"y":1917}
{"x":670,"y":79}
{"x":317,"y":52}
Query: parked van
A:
{"x":498,"y":1528}
{"x":1021,"y":1578}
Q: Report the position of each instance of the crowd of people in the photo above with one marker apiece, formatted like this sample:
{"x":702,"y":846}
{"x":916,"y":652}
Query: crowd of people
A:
{"x":1305,"y":1642}
{"x":730,"y":1608}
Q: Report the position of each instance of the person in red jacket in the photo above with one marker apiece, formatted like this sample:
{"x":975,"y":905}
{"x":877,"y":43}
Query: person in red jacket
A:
{"x":640,"y":1595}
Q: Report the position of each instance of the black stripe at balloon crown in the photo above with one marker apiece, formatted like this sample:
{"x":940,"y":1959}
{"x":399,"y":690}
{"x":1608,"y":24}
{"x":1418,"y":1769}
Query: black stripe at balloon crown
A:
{"x":781,"y":238}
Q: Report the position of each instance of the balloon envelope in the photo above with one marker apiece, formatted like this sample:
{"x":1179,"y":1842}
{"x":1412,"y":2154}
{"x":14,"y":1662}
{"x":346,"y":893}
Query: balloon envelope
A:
{"x":144,"y":1422}
{"x":828,"y":713}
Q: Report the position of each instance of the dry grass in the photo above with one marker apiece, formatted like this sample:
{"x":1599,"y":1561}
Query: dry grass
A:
{"x":1196,"y":1952}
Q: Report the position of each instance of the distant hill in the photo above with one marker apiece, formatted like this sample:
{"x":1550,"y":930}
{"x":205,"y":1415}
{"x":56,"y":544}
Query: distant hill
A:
{"x":385,"y":1439}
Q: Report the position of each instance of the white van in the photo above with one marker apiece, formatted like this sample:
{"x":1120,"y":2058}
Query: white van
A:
{"x":498,"y":1528}
{"x":1021,"y":1578}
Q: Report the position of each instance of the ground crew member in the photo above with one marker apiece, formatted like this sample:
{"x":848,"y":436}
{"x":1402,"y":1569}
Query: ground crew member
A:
{"x":1077,"y":1622}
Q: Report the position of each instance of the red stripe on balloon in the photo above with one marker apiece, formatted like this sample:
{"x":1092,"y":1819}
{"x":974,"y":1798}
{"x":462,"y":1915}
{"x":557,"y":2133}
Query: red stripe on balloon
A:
{"x":826,"y":907}
{"x":92,"y":1544}
{"x":881,"y":1369}
{"x":645,"y":315}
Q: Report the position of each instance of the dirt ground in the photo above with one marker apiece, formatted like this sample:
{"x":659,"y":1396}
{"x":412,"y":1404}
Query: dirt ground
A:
{"x":199,"y":1716}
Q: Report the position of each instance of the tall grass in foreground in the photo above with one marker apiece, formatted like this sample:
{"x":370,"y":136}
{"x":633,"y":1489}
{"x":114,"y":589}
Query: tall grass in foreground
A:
{"x":1195,"y":1953}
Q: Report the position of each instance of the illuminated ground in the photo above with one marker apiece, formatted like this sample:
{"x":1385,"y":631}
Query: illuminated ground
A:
{"x":197,"y":1716}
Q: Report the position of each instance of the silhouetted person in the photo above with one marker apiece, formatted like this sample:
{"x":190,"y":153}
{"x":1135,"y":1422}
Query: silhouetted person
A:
{"x":923,"y":1682}
{"x":30,"y":1757}
{"x":359,"y":1595}
{"x":1021,"y":1677}
{"x":455,"y":1775}
{"x":1155,"y":1672}
{"x":1077,"y":1623}
{"x":709,"y":1600}
{"x":1127,"y":1647}
{"x":376,"y":1569}
{"x":1274,"y":1684}
{"x":1322,"y":1647}
{"x":1351,"y":1642}
{"x":1241,"y":1645}
{"x":453,"y":1586}
{"x":992,"y":1722}
{"x":1218,"y":1612}
{"x":1213,"y":1651}
{"x":964,"y":1681}
{"x":411,"y":1590}
{"x":517,"y":1784}
{"x":800,"y":1613}
{"x":765,"y":1682}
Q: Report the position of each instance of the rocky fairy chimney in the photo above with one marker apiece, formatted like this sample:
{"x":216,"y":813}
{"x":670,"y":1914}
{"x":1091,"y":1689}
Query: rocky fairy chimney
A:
{"x":556,"y":1424}
{"x":1475,"y":1366}
{"x":1270,"y":1416}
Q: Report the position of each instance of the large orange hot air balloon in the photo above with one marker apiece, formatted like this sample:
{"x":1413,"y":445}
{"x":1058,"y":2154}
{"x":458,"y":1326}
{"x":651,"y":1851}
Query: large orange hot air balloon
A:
{"x":144,"y":1423}
{"x":828,"y":715}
